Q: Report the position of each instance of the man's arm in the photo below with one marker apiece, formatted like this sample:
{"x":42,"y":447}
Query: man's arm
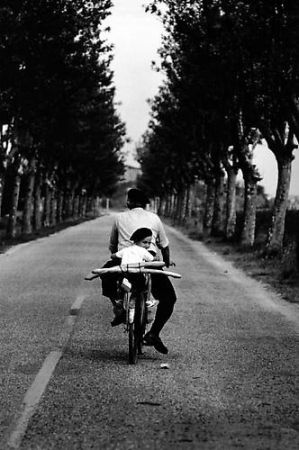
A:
{"x":166,"y":255}
{"x":113,"y":243}
{"x":163,"y":243}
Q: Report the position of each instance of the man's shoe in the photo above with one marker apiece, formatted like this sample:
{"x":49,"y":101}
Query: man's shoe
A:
{"x":119,"y":319}
{"x":155,"y":341}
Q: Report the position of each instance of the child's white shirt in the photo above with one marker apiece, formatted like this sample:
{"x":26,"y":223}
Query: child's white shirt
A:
{"x":134,"y":254}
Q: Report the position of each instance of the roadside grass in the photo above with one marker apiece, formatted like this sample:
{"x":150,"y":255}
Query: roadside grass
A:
{"x":6,"y":243}
{"x":281,"y":272}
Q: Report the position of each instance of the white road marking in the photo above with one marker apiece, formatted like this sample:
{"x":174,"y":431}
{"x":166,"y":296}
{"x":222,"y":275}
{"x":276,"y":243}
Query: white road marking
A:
{"x":32,"y":398}
{"x":76,"y":306}
{"x":39,"y":385}
{"x":66,"y":332}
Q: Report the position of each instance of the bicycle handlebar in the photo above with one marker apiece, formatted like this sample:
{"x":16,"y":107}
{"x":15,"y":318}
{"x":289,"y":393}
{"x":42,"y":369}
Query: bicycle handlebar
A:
{"x":133,"y":268}
{"x":151,"y":264}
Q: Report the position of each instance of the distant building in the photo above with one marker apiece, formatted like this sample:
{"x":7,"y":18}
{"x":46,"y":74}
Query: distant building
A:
{"x":128,"y":180}
{"x":293,"y":202}
{"x":131,"y":173}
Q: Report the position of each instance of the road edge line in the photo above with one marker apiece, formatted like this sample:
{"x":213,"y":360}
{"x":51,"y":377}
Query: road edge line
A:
{"x":32,"y":398}
{"x":36,"y":390}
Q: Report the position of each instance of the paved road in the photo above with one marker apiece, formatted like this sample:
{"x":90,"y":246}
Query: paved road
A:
{"x":232,"y":381}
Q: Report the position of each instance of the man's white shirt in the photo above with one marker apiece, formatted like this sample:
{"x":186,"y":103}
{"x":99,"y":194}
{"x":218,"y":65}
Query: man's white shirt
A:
{"x":129,"y":221}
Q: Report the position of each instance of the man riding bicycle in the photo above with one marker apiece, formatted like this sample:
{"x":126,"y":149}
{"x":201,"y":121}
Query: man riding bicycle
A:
{"x":123,"y":227}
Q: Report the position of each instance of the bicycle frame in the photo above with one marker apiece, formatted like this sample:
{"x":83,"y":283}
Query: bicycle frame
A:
{"x":136,"y":323}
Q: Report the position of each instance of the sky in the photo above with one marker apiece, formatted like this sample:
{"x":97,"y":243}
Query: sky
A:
{"x":136,"y":36}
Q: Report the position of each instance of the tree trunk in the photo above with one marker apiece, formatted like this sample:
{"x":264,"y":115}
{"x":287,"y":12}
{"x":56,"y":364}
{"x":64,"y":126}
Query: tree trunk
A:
{"x":197,"y":207}
{"x":248,"y":229}
{"x":209,"y":209}
{"x":154,"y":205}
{"x":294,"y":115}
{"x":188,"y":202}
{"x":94,"y":205}
{"x":53,"y":207}
{"x":164,"y":206}
{"x":59,"y":211}
{"x":69,"y":200}
{"x":69,"y":206}
{"x":185,"y":204}
{"x":246,"y":143}
{"x":29,"y":200}
{"x":97,"y":206}
{"x":195,"y":211}
{"x":1,"y":193}
{"x":179,"y":207}
{"x":76,"y":211}
{"x":37,"y":222}
{"x":64,"y":204}
{"x":174,"y":206}
{"x":218,"y":223}
{"x":230,"y":225}
{"x":82,"y":205}
{"x":191,"y":201}
{"x":12,"y":221}
{"x":161,"y":210}
{"x":276,"y":232}
{"x":90,"y":203}
{"x":167,"y":211}
{"x":282,"y":143}
{"x":47,"y":206}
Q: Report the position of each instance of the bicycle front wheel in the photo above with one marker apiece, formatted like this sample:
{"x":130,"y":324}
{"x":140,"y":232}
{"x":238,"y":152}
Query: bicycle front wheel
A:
{"x":133,"y":346}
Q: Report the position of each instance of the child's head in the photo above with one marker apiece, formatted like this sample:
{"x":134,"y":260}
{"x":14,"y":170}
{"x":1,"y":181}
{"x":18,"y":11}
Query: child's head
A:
{"x":142,"y":237}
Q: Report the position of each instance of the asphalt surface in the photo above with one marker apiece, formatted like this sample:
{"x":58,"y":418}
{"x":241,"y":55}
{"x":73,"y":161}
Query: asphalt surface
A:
{"x":232,"y":378}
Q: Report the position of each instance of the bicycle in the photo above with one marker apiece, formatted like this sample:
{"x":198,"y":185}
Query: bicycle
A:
{"x":135,"y":299}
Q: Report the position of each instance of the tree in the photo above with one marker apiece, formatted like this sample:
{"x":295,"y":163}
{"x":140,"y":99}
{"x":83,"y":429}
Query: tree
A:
{"x":57,"y":92}
{"x":228,"y":60}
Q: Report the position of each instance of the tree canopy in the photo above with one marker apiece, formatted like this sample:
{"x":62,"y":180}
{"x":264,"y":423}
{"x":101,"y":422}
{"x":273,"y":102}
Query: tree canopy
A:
{"x":231,"y":79}
{"x":56,"y":89}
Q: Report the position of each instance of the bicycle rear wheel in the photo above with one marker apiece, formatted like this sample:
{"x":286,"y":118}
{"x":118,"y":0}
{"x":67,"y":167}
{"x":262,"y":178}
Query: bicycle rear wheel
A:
{"x":137,"y":329}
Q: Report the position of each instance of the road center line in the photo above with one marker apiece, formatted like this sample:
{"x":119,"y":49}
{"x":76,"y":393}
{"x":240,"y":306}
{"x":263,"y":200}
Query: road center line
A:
{"x":39,"y":385}
{"x":32,"y":398}
{"x":76,"y":306}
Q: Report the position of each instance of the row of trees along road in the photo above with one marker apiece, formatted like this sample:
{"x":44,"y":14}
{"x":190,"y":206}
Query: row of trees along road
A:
{"x":231,"y":81}
{"x":60,"y":133}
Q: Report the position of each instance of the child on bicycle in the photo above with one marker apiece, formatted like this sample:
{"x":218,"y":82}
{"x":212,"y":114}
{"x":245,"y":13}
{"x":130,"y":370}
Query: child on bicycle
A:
{"x":135,"y":253}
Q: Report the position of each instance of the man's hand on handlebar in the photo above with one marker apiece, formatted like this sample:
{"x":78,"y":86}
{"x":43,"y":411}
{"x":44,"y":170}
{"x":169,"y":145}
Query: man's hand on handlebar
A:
{"x":170,"y":264}
{"x":166,"y":257}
